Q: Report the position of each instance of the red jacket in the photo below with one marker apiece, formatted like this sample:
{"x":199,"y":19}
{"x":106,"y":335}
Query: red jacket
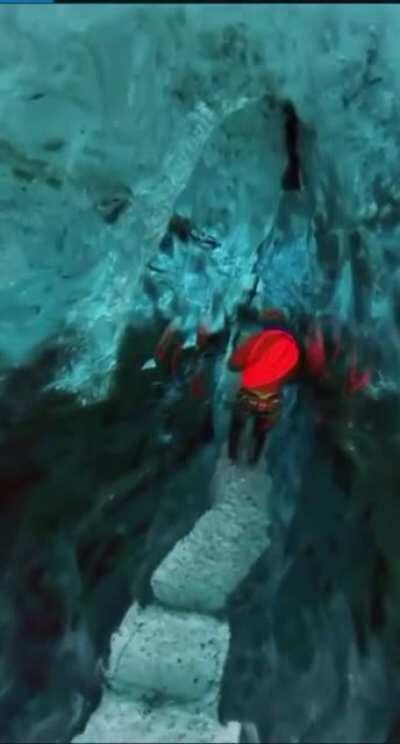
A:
{"x":266,"y":360}
{"x":270,"y":358}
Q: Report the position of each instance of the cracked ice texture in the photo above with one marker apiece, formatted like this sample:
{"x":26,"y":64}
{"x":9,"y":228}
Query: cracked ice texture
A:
{"x":101,"y":102}
{"x":163,"y":108}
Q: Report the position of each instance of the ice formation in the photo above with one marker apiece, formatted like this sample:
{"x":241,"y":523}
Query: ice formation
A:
{"x":143,"y":156}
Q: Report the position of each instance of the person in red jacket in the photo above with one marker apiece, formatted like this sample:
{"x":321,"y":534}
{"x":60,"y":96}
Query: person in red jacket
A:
{"x":273,"y":357}
{"x":266,"y":361}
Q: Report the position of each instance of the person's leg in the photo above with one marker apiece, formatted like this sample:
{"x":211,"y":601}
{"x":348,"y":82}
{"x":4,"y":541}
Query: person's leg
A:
{"x":260,"y":431}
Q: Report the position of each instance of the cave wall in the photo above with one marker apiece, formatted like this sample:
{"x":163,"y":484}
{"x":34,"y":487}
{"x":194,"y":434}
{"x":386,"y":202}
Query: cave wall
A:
{"x":114,"y":119}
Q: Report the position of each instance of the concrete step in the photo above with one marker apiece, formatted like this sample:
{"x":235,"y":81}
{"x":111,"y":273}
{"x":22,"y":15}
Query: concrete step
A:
{"x":207,"y":564}
{"x":123,"y":721}
{"x":163,"y":681}
{"x":166,"y":665}
{"x":176,"y":655}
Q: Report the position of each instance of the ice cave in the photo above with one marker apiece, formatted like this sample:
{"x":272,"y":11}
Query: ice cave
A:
{"x":183,"y":186}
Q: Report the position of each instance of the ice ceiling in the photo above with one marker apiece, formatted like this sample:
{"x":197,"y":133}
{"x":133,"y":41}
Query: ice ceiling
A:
{"x":113,"y":120}
{"x":176,"y":110}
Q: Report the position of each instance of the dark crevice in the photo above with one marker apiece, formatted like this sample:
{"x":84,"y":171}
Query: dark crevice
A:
{"x":291,"y":180}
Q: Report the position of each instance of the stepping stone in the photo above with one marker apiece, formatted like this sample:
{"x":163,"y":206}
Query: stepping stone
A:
{"x":123,"y":721}
{"x":205,"y":566}
{"x":178,"y":656}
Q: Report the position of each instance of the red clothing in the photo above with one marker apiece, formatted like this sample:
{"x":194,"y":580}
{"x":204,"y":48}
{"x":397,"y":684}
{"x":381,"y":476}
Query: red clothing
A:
{"x":270,"y":358}
{"x":317,"y":366}
{"x":266,"y":360}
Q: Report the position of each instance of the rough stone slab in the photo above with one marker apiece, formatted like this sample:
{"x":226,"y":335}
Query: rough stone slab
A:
{"x":177,"y":655}
{"x":122,"y":721}
{"x":206,"y":565}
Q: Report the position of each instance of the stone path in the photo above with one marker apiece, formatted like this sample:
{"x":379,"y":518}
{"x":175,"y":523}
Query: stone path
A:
{"x":167,"y":659}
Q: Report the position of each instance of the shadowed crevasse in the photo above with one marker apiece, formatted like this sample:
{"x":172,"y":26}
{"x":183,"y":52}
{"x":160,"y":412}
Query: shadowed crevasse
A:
{"x":81,"y":487}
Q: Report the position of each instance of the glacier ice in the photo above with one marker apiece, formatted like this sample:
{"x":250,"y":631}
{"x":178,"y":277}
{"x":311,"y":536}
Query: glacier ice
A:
{"x":117,"y":123}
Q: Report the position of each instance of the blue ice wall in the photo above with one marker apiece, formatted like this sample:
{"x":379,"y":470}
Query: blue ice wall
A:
{"x":115,"y":120}
{"x":95,"y":135}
